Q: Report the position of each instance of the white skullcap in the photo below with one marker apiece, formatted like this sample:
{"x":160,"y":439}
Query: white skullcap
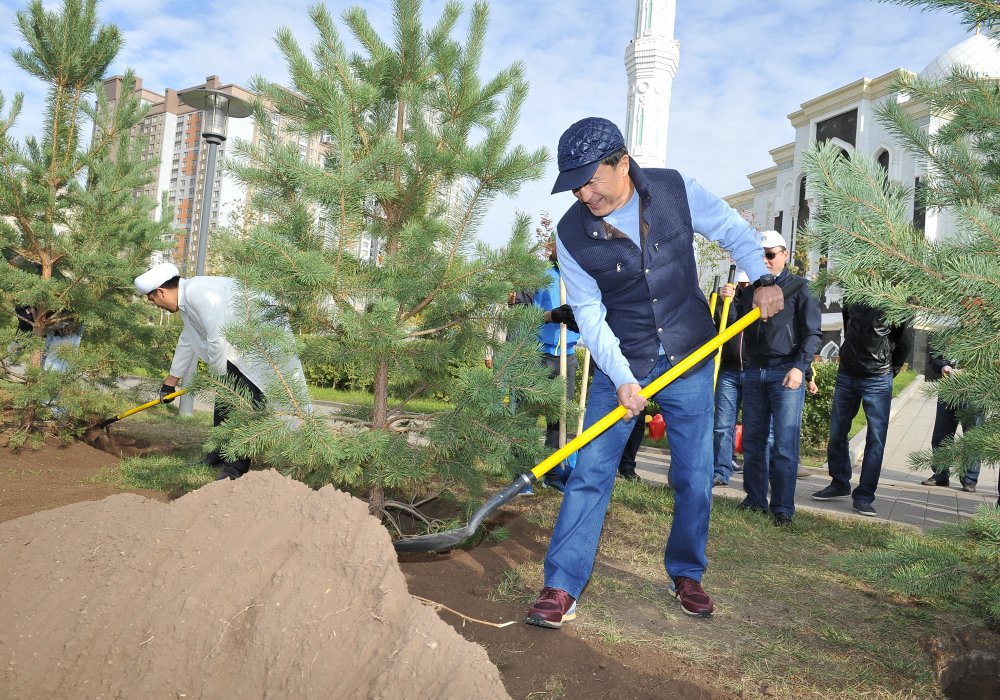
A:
{"x":155,"y":277}
{"x":772,"y":239}
{"x":741,"y":275}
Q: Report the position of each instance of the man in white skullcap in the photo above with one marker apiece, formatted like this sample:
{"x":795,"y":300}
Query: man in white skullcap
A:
{"x":206,"y":305}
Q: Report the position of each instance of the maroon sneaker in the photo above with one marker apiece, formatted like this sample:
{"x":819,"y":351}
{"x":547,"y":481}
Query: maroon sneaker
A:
{"x":694,"y":600}
{"x":553,"y":607}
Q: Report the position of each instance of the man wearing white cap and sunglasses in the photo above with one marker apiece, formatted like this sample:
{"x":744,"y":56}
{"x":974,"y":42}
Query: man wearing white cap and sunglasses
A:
{"x":207,"y":306}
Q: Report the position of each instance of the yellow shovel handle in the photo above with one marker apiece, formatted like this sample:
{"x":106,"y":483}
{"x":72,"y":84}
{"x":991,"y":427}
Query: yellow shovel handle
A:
{"x":650,"y":390}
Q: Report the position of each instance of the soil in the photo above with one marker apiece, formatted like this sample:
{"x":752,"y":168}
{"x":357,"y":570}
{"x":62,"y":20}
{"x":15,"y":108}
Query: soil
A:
{"x":263,"y":587}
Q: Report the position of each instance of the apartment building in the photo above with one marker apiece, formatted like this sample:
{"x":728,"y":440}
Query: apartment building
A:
{"x":173,"y":135}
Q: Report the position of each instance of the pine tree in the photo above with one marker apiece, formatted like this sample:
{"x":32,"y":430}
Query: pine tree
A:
{"x":949,"y":286}
{"x":880,"y":257}
{"x":418,"y":146}
{"x":72,"y":233}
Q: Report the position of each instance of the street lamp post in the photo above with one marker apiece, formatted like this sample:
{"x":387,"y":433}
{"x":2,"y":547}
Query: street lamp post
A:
{"x":218,"y":107}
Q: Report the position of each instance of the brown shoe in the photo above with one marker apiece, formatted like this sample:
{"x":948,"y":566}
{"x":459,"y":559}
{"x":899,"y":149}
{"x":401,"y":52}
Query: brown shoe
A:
{"x":934,"y":481}
{"x":553,"y":607}
{"x":694,"y":600}
{"x":969,"y":488}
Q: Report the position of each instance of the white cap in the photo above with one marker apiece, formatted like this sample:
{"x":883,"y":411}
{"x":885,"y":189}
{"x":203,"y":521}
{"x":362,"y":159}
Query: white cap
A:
{"x":772,"y":239}
{"x":155,"y":277}
{"x":741,"y":275}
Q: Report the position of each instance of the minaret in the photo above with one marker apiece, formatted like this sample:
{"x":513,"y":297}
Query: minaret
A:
{"x":651,"y":60}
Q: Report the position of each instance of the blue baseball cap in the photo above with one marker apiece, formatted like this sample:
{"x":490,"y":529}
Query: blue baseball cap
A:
{"x":582,"y":147}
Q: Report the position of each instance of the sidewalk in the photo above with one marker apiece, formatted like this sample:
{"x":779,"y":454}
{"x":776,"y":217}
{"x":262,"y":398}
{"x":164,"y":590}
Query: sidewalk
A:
{"x":900,"y":497}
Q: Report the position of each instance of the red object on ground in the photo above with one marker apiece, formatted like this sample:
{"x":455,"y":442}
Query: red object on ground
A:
{"x":738,"y":438}
{"x":657,"y":427}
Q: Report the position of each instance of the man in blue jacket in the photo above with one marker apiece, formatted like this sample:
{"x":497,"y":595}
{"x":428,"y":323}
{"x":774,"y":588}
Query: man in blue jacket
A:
{"x":627,"y":258}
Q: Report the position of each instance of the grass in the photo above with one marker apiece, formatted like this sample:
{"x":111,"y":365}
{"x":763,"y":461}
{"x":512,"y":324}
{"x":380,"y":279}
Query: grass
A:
{"x":789,"y":621}
{"x":360,"y":398}
{"x":170,"y":474}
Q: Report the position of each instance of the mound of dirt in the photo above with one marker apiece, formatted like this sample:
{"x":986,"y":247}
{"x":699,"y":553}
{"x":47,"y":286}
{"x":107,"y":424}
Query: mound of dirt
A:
{"x":253,"y":588}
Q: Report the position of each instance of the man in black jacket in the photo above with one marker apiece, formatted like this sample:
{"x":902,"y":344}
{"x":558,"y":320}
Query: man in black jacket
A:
{"x":777,"y":354}
{"x":872,"y":354}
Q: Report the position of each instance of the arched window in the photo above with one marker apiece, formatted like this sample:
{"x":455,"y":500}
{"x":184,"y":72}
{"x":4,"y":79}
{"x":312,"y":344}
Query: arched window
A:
{"x":883,"y":161}
{"x":803,"y":214}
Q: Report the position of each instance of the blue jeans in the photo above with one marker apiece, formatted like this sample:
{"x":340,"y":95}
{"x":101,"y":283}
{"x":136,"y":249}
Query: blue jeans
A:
{"x":687,"y":408}
{"x":849,"y":394}
{"x":728,"y":394}
{"x":767,"y":406}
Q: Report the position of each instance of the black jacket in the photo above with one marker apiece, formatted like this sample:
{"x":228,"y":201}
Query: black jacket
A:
{"x":732,"y":351}
{"x":871,"y":346}
{"x":792,"y":337}
{"x":936,"y":364}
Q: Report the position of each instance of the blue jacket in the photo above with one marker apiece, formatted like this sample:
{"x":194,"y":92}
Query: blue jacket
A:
{"x":547,"y":299}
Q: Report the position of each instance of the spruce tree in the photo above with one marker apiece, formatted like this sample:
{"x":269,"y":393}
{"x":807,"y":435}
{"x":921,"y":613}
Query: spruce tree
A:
{"x":948,"y":285}
{"x":418,"y":146}
{"x":72,"y":234}
{"x":880,"y":257}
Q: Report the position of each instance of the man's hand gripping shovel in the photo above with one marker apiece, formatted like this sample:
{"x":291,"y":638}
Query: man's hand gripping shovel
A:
{"x":98,"y":433}
{"x":441,"y":541}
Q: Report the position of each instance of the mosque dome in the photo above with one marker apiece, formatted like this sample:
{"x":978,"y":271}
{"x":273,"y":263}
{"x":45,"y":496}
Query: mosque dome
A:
{"x":978,"y":52}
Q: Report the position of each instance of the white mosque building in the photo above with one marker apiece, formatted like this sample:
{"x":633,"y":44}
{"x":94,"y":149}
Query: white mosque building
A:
{"x":780,"y":197}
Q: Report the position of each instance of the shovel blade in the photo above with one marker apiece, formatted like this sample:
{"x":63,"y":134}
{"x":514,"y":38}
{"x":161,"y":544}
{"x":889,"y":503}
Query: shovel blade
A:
{"x":443,"y":541}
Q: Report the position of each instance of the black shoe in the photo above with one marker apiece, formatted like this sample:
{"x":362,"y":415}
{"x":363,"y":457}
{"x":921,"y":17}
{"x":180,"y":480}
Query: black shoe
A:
{"x":782,"y":520}
{"x":228,"y":472}
{"x":629,"y":476}
{"x":737,"y":467}
{"x":746,"y":505}
{"x":865,"y":509}
{"x":717,"y":481}
{"x":212,"y":459}
{"x":829,"y":492}
{"x":934,"y":481}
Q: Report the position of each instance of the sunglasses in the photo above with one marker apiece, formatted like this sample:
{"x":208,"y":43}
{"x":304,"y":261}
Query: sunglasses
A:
{"x":772,"y":254}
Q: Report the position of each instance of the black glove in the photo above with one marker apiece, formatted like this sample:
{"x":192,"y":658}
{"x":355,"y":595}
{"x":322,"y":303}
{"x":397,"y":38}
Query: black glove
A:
{"x":166,"y":389}
{"x":564,"y":314}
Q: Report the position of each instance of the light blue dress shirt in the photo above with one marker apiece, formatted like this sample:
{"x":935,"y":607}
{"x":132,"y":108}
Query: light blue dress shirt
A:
{"x":710,"y":216}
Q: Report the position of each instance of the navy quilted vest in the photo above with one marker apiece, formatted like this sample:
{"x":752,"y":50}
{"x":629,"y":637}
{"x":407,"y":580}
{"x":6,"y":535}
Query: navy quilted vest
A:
{"x":651,"y":295}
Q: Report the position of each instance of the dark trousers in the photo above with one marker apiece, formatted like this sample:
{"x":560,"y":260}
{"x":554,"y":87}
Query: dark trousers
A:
{"x":626,"y":467}
{"x":946,"y":422}
{"x":238,"y":467}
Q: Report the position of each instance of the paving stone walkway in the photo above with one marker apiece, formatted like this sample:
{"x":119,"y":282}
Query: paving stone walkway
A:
{"x":900,"y":498}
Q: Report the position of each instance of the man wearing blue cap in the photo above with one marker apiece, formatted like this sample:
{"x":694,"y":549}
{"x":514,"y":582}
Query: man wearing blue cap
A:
{"x":627,"y":257}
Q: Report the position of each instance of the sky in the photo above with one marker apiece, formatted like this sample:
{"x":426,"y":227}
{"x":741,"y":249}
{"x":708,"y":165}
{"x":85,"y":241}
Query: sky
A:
{"x":744,"y":66}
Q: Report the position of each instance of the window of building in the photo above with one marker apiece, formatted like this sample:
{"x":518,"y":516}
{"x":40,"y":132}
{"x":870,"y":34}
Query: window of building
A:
{"x":803,"y":215}
{"x":883,"y":161}
{"x":843,"y":126}
{"x":919,"y":204}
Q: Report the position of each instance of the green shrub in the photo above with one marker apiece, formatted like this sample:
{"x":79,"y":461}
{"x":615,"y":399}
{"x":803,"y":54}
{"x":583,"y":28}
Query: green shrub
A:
{"x":322,"y":370}
{"x":817,"y":409}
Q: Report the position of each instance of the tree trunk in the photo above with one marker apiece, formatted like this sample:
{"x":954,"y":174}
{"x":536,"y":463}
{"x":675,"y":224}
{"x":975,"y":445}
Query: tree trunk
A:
{"x":380,"y":421}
